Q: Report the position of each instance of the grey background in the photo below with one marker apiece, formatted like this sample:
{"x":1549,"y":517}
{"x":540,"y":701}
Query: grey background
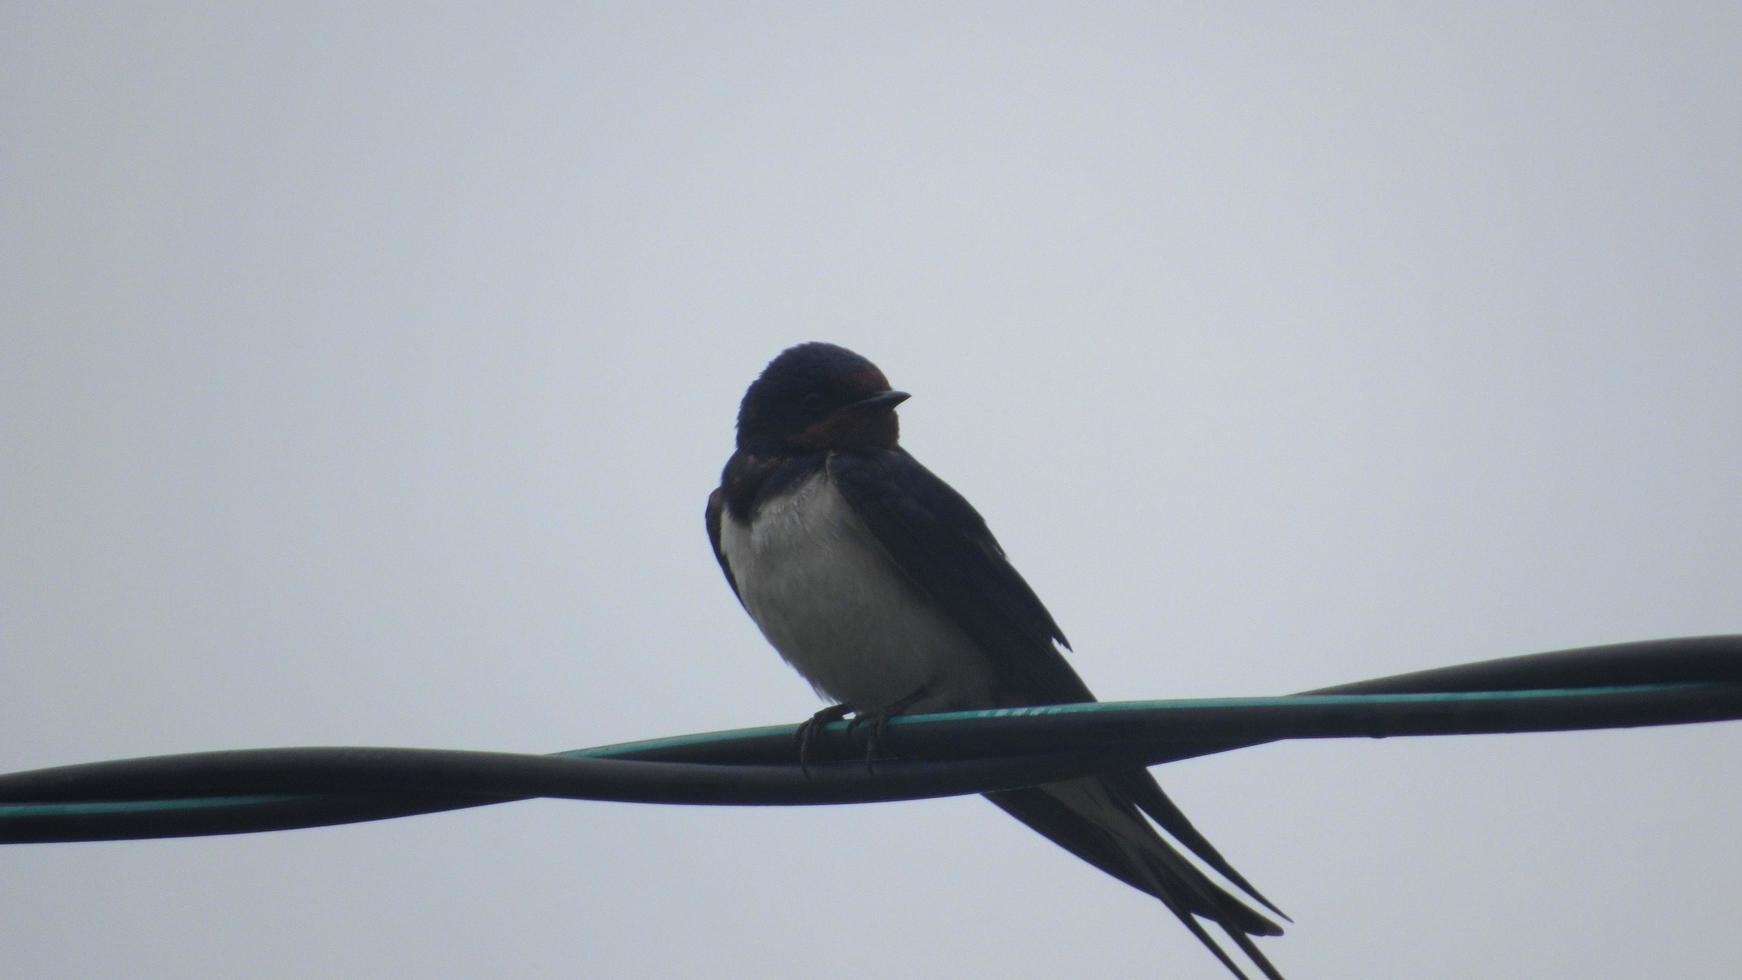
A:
{"x":365,"y":372}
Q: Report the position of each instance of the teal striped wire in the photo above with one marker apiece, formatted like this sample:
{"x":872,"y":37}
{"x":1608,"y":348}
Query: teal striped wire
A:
{"x":678,"y":744}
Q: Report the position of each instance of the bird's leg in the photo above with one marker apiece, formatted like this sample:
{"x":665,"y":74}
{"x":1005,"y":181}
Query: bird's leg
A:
{"x":806,"y":736}
{"x":879,"y":722}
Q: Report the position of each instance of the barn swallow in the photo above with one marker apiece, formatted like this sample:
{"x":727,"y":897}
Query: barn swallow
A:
{"x":883,"y":587}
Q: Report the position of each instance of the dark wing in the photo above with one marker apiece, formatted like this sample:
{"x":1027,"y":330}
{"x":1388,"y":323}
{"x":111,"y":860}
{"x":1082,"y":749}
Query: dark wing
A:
{"x":716,"y":513}
{"x":941,"y":543}
{"x":944,"y":547}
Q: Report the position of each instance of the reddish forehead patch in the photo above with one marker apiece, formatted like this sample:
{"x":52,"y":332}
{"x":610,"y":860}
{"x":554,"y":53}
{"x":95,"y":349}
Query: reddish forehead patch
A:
{"x":870,"y":379}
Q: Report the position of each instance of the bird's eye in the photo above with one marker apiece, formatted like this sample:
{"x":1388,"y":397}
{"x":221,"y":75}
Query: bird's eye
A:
{"x":810,"y":400}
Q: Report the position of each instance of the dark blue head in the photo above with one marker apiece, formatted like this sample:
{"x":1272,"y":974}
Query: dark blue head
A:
{"x":818,"y":396}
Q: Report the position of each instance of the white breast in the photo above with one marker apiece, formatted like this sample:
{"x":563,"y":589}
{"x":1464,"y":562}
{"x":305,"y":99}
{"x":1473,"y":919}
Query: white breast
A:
{"x":838,"y":609}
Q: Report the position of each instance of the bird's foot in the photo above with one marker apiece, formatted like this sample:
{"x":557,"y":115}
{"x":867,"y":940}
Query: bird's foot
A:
{"x":879,"y":726}
{"x":807,"y":733}
{"x":876,"y":725}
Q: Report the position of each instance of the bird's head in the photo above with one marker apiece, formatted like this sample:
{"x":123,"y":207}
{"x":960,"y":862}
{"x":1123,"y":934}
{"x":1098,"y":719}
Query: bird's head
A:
{"x":815,"y":397}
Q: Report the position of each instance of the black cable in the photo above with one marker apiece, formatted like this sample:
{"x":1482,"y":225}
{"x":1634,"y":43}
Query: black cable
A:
{"x":1649,"y":683}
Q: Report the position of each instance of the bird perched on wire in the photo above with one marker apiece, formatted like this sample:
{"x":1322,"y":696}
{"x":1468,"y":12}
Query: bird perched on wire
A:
{"x":883,"y":587}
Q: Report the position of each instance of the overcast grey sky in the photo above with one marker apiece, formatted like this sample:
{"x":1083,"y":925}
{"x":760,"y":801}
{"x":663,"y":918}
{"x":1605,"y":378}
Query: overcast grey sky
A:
{"x":365,"y":372}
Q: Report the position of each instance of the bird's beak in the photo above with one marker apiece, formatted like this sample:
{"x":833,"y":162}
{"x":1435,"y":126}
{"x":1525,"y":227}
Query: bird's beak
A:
{"x":883,"y":400}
